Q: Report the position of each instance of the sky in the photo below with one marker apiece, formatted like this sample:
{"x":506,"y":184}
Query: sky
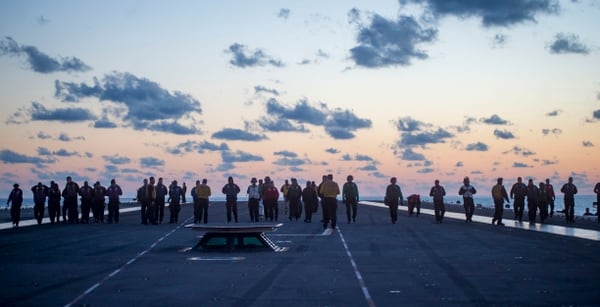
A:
{"x":414,"y":89}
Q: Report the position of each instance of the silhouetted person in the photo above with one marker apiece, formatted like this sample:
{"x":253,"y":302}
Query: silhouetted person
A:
{"x":350,"y":198}
{"x":231,"y":190}
{"x":499,"y":195}
{"x":86,"y":193}
{"x":202,"y":195}
{"x":40,"y":192}
{"x":15,"y":199}
{"x":551,"y":196}
{"x":270,"y":196}
{"x":69,"y":194}
{"x":597,"y":191}
{"x":330,"y":190}
{"x":518,"y":192}
{"x":144,"y":200}
{"x":310,"y":200}
{"x":54,"y":197}
{"x":175,"y":196}
{"x":467,"y":191}
{"x":161,"y":192}
{"x":253,"y":192}
{"x":437,"y":192}
{"x":532,"y":200}
{"x":543,"y":202}
{"x":114,"y":192}
{"x":569,"y":190}
{"x":99,"y":200}
{"x":294,"y":196}
{"x":393,"y":197}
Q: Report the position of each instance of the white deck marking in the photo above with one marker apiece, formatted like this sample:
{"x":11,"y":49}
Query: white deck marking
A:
{"x":361,"y":281}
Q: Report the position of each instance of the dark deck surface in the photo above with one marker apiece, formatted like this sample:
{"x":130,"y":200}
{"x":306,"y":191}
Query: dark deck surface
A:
{"x":371,"y":262}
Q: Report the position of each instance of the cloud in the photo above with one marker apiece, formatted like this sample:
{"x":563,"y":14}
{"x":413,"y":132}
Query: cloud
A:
{"x":116,"y":159}
{"x":239,"y":156}
{"x":426,"y":170}
{"x":554,"y":113}
{"x":66,"y":138}
{"x":494,"y":120}
{"x":43,"y":151}
{"x":385,"y":42}
{"x":238,"y":135}
{"x":332,"y":150}
{"x":567,"y":43}
{"x":39,"y":61}
{"x":520,"y":165}
{"x":42,"y":21}
{"x":286,"y":153}
{"x":459,"y":164}
{"x":43,"y":135}
{"x":424,"y":138}
{"x":284,"y":14}
{"x":200,"y":147}
{"x":262,"y":89}
{"x":151,"y":162}
{"x":242,"y":57}
{"x":65,"y":153}
{"x":274,"y":124}
{"x":493,"y":13}
{"x":38,"y":112}
{"x":504,"y":134}
{"x":549,"y":162}
{"x":408,"y":124}
{"x":409,"y":155}
{"x":587,"y":144}
{"x":368,"y":168}
{"x":11,"y":157}
{"x":479,"y":146}
{"x":285,"y":161}
{"x":547,"y":131}
{"x":104,"y":123}
{"x":142,"y":103}
{"x":517,"y":150}
{"x":499,"y":40}
{"x":338,"y":123}
{"x":596,"y":114}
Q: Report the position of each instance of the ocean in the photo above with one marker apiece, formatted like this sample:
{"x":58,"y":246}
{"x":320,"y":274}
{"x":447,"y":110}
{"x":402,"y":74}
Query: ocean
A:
{"x":581,"y":201}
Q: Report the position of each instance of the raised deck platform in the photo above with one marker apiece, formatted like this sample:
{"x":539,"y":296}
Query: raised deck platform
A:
{"x":232,"y":237}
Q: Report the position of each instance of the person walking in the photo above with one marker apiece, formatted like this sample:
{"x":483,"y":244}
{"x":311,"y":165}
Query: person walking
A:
{"x":86,"y":192}
{"x":253,"y":192}
{"x":551,"y":196}
{"x":330,"y":190}
{"x":231,"y":191}
{"x":175,"y":196}
{"x":294,"y":196}
{"x":543,"y":202}
{"x":569,"y":190}
{"x":467,"y":191}
{"x":310,"y":200}
{"x":15,"y":199}
{"x":438,"y":193}
{"x":202,"y":196}
{"x":499,"y":195}
{"x":393,"y":198}
{"x":99,"y":200}
{"x":270,"y":196}
{"x":69,"y":194}
{"x":518,"y":192}
{"x":532,"y":200}
{"x":161,"y":193}
{"x":114,"y":192}
{"x":40,"y":192}
{"x":54,"y":196}
{"x":350,"y":198}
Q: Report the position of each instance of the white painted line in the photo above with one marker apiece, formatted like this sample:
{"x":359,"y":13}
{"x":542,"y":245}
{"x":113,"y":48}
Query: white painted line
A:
{"x":363,"y":285}
{"x":216,"y":258}
{"x":114,"y":273}
{"x":574,"y":232}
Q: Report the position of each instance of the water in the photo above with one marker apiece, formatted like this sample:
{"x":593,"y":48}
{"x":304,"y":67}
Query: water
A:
{"x":581,"y":201}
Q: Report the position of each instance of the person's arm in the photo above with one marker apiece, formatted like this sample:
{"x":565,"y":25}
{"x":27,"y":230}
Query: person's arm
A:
{"x":356,"y":188}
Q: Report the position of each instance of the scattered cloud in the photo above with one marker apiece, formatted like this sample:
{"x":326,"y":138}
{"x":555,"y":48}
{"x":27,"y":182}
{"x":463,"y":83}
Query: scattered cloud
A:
{"x":261,"y":89}
{"x":567,"y":43}
{"x":424,"y":138}
{"x":387,"y":42}
{"x":587,"y":144}
{"x":39,"y":61}
{"x":547,"y":131}
{"x":520,"y":151}
{"x":479,"y":146}
{"x":104,"y":123}
{"x":494,"y":120}
{"x":503,"y":134}
{"x":239,"y":156}
{"x":42,"y":20}
{"x":286,"y":153}
{"x":285,"y":161}
{"x":43,"y":135}
{"x":596,"y":114}
{"x":11,"y":157}
{"x":520,"y":165}
{"x":142,"y":104}
{"x":338,"y":123}
{"x":38,"y":112}
{"x":549,"y":162}
{"x":408,"y":124}
{"x":116,"y":159}
{"x":495,"y":13}
{"x":409,"y":155}
{"x":459,"y":164}
{"x":425,"y":170}
{"x":332,"y":150}
{"x":66,"y":138}
{"x":242,"y":57}
{"x":232,"y":134}
{"x":284,"y":13}
{"x":151,"y":162}
{"x":554,"y":113}
{"x":368,"y":168}
{"x":499,"y":40}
